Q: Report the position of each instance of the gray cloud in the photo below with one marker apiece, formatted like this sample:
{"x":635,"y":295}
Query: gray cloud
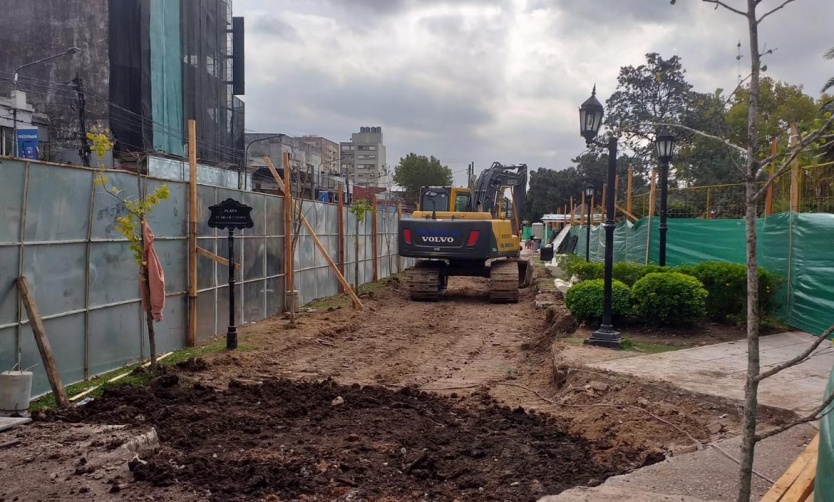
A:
{"x":477,"y":80}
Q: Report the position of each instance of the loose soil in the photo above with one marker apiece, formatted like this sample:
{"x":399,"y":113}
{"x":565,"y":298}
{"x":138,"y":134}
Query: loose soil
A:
{"x":459,"y":399}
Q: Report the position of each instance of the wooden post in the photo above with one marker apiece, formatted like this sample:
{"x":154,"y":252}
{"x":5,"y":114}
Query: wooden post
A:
{"x":651,"y":213}
{"x":707,"y":216}
{"x":356,"y":302}
{"x":769,"y":199}
{"x":399,"y":217}
{"x":45,"y":349}
{"x":604,"y":190}
{"x":794,"y":144}
{"x":191,"y":330}
{"x":582,"y":214}
{"x":572,"y":210}
{"x":628,"y":189}
{"x":375,"y":235}
{"x":591,"y":211}
{"x":616,"y":192}
{"x":289,"y":264}
{"x":341,"y":235}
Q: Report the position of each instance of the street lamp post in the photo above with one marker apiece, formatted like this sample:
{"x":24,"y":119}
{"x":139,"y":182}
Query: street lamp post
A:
{"x":246,"y":157}
{"x":665,"y":148}
{"x":589,"y":193}
{"x":68,"y":52}
{"x":590,"y":118}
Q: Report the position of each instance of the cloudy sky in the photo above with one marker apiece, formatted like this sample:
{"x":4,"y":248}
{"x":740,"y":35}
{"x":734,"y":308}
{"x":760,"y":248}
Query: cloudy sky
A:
{"x":485,"y":80}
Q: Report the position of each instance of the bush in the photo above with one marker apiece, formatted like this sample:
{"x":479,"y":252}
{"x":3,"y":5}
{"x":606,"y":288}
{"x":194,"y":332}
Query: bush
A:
{"x":629,"y":272}
{"x":567,"y":262}
{"x":669,"y":298}
{"x":727,"y":286}
{"x":584,"y":300}
{"x":587,"y":270}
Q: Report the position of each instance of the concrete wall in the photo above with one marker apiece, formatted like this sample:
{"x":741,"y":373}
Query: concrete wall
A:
{"x":33,"y":30}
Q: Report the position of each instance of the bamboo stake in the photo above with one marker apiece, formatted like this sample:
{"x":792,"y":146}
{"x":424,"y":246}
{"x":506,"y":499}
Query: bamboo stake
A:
{"x":191,"y":332}
{"x":375,"y":235}
{"x":316,"y":241}
{"x":341,"y":236}
{"x":399,"y":217}
{"x":289,"y":258}
{"x":769,"y":199}
{"x":628,"y":190}
{"x":115,"y":378}
{"x":651,"y":213}
{"x":794,"y":143}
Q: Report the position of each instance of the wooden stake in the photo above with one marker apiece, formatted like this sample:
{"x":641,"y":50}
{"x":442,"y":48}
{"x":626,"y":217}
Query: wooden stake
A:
{"x":572,"y":210}
{"x":582,"y":214}
{"x":191,"y":331}
{"x":651,"y":213}
{"x":217,"y":258}
{"x":289,"y":267}
{"x":342,"y":280}
{"x":616,"y":192}
{"x":769,"y":199}
{"x":399,"y":217}
{"x":341,"y":236}
{"x":794,"y":144}
{"x":628,"y":190}
{"x":44,"y":348}
{"x":375,"y":234}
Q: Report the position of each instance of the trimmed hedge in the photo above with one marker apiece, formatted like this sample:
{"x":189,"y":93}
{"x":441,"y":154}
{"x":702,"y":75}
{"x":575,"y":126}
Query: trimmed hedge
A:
{"x":669,"y":298}
{"x":584,"y":300}
{"x":629,"y":272}
{"x":727,"y":286}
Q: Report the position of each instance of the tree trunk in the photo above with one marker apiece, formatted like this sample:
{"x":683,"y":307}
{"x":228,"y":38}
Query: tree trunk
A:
{"x":748,"y":444}
{"x":146,"y":285}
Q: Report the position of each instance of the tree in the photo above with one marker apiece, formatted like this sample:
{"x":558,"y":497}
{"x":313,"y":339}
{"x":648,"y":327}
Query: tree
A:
{"x":550,"y":190}
{"x":415,"y":171}
{"x":779,"y":106}
{"x":755,"y":160}
{"x":830,"y":83}
{"x":653,"y":92}
{"x":130,"y":224}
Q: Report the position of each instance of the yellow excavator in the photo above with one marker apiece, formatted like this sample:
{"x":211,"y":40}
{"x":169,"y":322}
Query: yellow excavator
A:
{"x":468,"y":232}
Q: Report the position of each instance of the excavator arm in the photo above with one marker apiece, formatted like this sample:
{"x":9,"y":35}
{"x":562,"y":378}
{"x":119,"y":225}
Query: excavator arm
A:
{"x":489,"y":189}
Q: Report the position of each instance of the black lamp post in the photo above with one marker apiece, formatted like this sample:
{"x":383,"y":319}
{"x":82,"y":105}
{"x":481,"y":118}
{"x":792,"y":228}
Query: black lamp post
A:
{"x":665,"y":148}
{"x":589,"y":193}
{"x":590,"y":120}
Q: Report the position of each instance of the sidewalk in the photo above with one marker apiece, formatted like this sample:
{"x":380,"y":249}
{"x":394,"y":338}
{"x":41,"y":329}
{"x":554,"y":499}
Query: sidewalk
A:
{"x":720,"y":369}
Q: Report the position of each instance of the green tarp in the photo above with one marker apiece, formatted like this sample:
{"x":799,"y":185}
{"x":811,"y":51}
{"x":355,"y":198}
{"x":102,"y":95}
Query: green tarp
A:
{"x":795,"y":246}
{"x":824,"y":483}
{"x":166,"y":76}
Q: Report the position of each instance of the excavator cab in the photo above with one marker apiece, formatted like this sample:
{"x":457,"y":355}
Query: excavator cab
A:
{"x":445,"y":199}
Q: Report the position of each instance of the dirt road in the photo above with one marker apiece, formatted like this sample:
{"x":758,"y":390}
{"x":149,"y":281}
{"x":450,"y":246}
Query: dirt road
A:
{"x":330,"y":407}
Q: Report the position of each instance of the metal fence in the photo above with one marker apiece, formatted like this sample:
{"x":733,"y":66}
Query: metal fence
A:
{"x":58,"y":229}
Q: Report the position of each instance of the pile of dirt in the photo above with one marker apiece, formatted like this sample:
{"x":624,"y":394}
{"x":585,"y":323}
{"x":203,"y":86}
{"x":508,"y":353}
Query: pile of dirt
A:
{"x":320,"y":441}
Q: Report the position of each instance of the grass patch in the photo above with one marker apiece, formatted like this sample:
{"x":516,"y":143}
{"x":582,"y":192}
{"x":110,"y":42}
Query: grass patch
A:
{"x":216,"y":344}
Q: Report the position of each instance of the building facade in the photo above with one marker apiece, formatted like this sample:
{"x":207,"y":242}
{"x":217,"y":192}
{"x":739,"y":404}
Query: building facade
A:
{"x":364,"y":158}
{"x":144,"y":68}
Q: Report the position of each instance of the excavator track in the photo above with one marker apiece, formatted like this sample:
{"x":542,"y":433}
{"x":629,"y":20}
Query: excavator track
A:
{"x":427,"y":281}
{"x":503,"y":282}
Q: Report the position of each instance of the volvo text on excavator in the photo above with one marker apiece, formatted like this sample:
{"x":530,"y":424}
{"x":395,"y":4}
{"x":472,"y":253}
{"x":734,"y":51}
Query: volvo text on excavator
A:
{"x":468,"y":232}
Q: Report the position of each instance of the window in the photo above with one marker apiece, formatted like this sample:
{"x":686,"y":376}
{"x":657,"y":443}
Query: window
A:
{"x":433,"y":200}
{"x":371,"y":147}
{"x":462,"y":202}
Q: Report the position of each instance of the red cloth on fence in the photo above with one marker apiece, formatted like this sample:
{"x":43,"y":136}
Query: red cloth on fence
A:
{"x":156,"y":277}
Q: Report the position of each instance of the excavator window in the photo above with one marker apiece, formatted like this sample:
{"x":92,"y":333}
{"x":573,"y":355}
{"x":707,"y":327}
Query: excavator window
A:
{"x":462,"y":202}
{"x":434,"y":200}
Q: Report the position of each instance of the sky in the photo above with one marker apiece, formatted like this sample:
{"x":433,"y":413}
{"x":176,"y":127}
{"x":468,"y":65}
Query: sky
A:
{"x":495,"y":80}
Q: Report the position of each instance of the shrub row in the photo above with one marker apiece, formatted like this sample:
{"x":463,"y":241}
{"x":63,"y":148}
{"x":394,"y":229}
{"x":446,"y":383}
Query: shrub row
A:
{"x":725,"y":283}
{"x":665,"y":298}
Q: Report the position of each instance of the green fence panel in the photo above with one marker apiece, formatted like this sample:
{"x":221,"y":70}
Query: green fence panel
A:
{"x":824,"y":483}
{"x":812,"y":272}
{"x":691,"y":241}
{"x":773,"y":246}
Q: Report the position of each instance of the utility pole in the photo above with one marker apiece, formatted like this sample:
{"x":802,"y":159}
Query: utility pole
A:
{"x":81,"y":105}
{"x":470,"y":173}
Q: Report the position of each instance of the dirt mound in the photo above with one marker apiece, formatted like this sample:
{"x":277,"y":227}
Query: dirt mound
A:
{"x":193,"y":365}
{"x":322,"y":441}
